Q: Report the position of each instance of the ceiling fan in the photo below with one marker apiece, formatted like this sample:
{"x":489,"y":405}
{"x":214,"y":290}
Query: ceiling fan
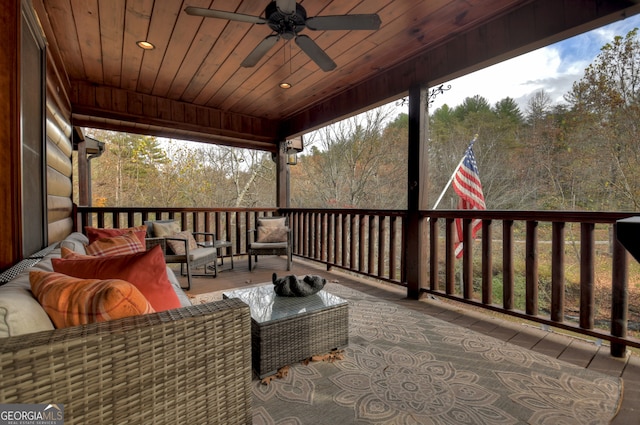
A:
{"x":287,"y":18}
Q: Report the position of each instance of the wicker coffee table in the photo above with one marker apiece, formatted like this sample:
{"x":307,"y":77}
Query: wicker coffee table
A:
{"x":285,"y":330}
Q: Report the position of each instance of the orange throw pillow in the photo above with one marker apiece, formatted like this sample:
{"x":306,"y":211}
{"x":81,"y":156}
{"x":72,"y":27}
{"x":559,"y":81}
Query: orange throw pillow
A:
{"x":147,"y":271}
{"x":117,"y":245}
{"x":70,"y":301}
{"x":95,"y":233}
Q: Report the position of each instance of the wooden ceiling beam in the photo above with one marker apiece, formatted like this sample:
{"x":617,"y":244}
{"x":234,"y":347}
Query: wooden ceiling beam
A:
{"x":109,"y":104}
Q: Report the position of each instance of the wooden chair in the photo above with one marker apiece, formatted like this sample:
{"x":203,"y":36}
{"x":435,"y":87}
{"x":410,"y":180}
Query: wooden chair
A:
{"x":179,"y":250}
{"x":271,"y":236}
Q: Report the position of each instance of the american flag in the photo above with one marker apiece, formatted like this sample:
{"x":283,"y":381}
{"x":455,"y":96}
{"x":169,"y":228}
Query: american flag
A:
{"x":466,"y":183}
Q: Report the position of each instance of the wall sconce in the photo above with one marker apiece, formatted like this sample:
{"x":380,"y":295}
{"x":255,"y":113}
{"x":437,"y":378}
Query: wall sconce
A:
{"x":292,"y":154}
{"x":291,"y":149}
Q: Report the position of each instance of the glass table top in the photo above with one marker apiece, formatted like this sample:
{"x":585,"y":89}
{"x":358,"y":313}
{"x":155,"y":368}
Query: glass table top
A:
{"x":266,"y":306}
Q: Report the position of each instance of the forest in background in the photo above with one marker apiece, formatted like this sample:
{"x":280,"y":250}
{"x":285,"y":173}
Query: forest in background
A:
{"x":579,"y":155}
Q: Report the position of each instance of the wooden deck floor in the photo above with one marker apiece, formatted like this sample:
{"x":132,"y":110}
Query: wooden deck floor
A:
{"x":570,"y":349}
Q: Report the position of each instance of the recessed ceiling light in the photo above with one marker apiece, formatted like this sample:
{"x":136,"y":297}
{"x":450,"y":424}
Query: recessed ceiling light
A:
{"x":285,"y":85}
{"x":145,"y":45}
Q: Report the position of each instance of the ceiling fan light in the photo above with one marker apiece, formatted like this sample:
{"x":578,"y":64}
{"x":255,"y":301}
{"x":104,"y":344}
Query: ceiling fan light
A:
{"x":285,"y":85}
{"x":145,"y":45}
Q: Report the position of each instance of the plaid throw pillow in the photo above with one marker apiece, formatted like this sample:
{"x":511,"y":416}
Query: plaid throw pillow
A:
{"x":71,"y":301}
{"x":95,"y":233}
{"x":117,"y":245}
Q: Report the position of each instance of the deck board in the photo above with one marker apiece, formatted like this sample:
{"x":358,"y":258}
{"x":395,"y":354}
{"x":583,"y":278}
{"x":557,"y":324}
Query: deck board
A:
{"x":571,"y":349}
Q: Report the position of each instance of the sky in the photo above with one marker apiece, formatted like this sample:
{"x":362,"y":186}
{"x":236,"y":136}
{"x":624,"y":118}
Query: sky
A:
{"x":553,"y":68}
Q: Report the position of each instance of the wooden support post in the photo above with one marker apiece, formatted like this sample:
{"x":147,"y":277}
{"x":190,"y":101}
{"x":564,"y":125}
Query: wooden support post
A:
{"x":10,"y":146}
{"x":415,"y":251}
{"x":283,"y":196}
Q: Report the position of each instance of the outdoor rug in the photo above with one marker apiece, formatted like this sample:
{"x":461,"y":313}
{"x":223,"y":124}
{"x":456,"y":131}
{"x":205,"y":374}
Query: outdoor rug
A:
{"x":405,"y":367}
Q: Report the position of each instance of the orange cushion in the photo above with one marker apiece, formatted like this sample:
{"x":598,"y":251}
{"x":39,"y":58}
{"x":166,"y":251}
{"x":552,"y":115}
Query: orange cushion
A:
{"x":95,"y":233}
{"x":178,"y":246}
{"x":117,"y":245}
{"x":70,"y":301}
{"x":146,"y":270}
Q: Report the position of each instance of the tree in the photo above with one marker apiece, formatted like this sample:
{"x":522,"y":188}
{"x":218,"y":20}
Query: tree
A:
{"x":605,"y":104}
{"x":355,"y":164}
{"x":128,"y":165}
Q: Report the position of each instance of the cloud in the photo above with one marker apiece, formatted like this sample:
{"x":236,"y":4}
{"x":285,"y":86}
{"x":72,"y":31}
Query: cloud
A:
{"x":553,"y":68}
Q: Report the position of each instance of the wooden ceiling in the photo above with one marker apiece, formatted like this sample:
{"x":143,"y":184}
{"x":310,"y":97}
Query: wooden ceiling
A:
{"x":191,"y":86}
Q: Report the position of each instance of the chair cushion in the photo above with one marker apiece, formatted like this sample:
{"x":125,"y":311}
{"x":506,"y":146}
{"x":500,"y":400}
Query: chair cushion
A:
{"x":146,"y":270}
{"x":270,"y":245}
{"x":95,"y":233}
{"x":178,"y":247}
{"x":76,"y":242}
{"x":117,"y":245}
{"x":20,"y":313}
{"x":272,"y":234}
{"x":271,"y":221}
{"x":163,"y":229}
{"x":70,"y":301}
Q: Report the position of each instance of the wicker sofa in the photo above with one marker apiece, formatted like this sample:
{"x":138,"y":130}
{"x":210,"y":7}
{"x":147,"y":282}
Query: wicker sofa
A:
{"x":190,"y":365}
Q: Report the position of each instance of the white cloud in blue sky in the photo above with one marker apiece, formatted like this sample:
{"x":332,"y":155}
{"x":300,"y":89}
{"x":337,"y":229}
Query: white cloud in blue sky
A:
{"x":553,"y":68}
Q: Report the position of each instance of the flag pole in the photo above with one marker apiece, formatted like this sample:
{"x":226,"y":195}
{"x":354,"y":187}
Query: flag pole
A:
{"x":452,"y":176}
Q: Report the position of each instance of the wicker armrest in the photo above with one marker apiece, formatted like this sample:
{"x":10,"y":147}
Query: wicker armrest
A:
{"x":151,"y":242}
{"x":183,"y":366}
{"x":207,"y":235}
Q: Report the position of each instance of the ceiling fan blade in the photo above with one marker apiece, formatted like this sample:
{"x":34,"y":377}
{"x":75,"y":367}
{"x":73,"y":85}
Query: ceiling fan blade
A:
{"x":315,"y":53}
{"x":260,"y":50}
{"x":344,"y":22}
{"x":287,"y":7}
{"x":232,"y":16}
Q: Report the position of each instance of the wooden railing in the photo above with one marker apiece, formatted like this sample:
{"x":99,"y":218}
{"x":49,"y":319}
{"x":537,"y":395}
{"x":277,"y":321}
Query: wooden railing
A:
{"x":229,"y":224}
{"x":514,"y":240}
{"x":525,"y":264}
{"x":368,"y":242}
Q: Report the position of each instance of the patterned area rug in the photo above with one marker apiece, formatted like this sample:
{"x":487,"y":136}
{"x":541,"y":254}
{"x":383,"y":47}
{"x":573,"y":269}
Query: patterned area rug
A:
{"x":404,"y":367}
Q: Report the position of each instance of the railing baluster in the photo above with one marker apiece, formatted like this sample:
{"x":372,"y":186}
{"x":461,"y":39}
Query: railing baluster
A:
{"x":345,"y":239}
{"x":450,"y":257}
{"x":531,"y":268}
{"x":467,"y":260}
{"x":392,"y":248}
{"x":487,"y":263}
{"x":373,"y":242}
{"x":433,"y":254}
{"x":507,"y":265}
{"x":619,"y":297}
{"x":361,"y":243}
{"x":587,"y":280}
{"x":557,"y":271}
{"x":382,"y":252}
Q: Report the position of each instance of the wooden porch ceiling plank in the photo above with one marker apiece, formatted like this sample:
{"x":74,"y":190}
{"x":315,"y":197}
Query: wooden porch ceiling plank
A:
{"x":268,"y":69}
{"x":66,"y":41}
{"x":164,"y":16}
{"x":341,"y":76}
{"x":285,"y":63}
{"x":184,"y":35}
{"x":111,"y":17}
{"x":136,"y":28}
{"x":316,"y":82}
{"x":426,"y":67}
{"x":57,"y":80}
{"x":211,"y":68}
